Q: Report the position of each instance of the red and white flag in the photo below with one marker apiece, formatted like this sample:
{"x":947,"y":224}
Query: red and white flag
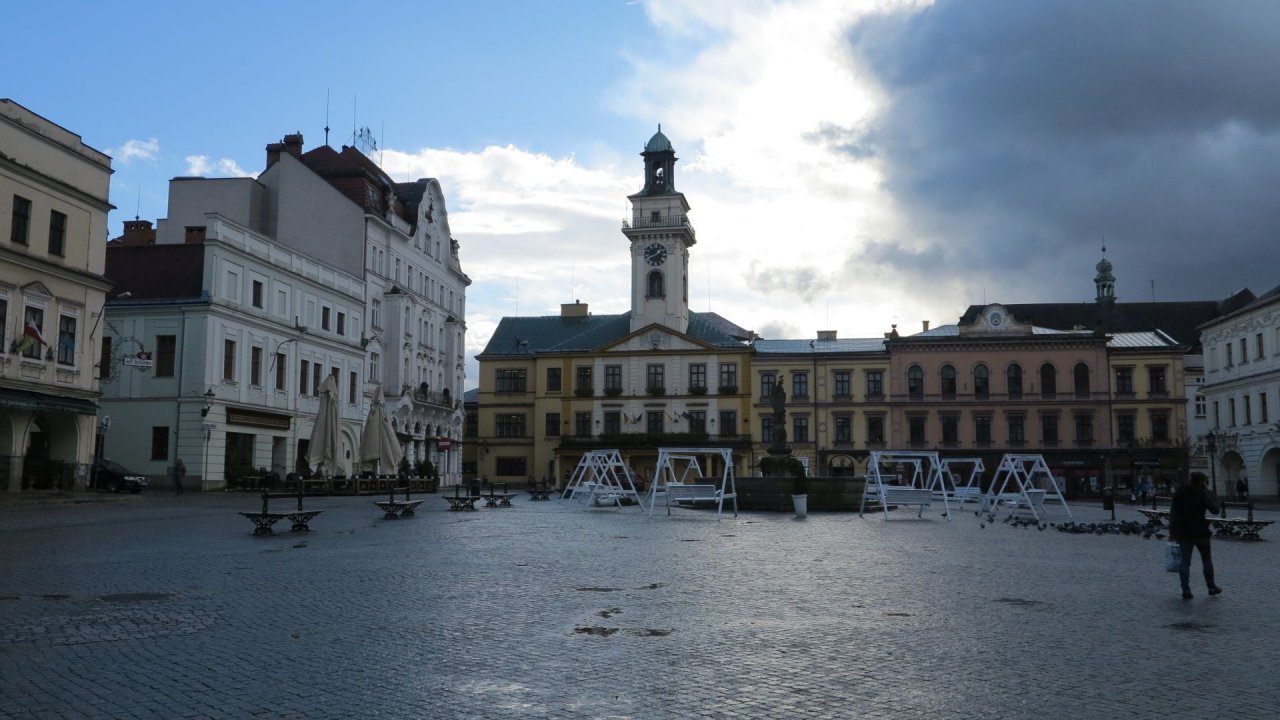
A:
{"x":30,"y":337}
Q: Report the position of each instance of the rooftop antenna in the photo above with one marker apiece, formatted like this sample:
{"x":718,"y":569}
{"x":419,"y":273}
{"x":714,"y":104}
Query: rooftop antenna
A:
{"x":382,"y":133}
{"x":355,"y":122}
{"x":572,"y":278}
{"x":326,"y":116}
{"x":137,"y":210}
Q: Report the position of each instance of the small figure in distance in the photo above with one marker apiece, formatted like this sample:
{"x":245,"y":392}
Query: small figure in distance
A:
{"x":179,"y":474}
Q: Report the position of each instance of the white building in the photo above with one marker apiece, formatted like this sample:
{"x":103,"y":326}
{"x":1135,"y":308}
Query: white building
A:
{"x":1242,"y":392}
{"x":53,"y":228}
{"x":416,"y":291}
{"x":217,"y":341}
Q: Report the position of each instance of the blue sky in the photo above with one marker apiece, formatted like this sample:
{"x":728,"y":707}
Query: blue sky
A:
{"x":850,"y":165}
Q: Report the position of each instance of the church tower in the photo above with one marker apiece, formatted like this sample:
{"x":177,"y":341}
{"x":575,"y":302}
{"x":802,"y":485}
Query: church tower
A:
{"x":660,"y":236}
{"x":1105,"y":283}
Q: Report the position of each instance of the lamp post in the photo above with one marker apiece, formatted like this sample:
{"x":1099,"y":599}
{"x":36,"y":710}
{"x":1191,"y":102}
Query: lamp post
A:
{"x":1211,"y":444}
{"x":208,"y":431}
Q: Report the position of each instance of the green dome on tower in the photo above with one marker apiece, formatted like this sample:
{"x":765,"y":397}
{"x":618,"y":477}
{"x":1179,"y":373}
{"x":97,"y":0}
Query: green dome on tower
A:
{"x":658,"y":143}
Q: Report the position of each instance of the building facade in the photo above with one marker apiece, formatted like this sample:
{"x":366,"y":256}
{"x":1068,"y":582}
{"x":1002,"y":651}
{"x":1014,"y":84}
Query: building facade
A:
{"x":53,"y":216}
{"x":554,"y":387}
{"x":417,"y":297}
{"x":217,"y":340}
{"x":1242,"y":393}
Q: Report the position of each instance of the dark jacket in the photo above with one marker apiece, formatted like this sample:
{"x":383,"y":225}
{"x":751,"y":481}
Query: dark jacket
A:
{"x":1186,"y":512}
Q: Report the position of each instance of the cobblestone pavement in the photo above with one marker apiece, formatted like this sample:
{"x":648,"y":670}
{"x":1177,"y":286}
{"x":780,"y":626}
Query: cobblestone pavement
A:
{"x":158,"y":606}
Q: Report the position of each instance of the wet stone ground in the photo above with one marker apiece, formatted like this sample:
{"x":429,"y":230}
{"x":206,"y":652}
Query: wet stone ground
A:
{"x":157,"y":606}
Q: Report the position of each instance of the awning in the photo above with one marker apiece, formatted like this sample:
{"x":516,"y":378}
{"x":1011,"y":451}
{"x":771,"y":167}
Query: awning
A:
{"x":27,"y":400}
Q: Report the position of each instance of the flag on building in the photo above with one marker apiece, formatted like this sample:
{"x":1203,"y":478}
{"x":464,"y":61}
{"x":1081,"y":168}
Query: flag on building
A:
{"x":30,"y":337}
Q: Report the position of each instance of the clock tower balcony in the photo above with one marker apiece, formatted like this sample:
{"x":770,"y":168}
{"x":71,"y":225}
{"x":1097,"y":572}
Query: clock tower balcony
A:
{"x":659,"y":223}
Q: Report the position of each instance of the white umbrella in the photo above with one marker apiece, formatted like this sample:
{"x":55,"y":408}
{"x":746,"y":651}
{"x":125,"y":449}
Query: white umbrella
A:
{"x":322,"y":451}
{"x":378,"y":442}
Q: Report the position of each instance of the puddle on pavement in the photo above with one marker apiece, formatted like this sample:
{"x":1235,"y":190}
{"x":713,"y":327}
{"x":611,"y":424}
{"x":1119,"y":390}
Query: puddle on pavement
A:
{"x":1020,"y":602}
{"x":54,"y":597}
{"x":606,"y":614}
{"x":1190,"y":625}
{"x":898,"y":614}
{"x":651,"y":586}
{"x":631,"y":632}
{"x":135,"y":597}
{"x":598,"y":589}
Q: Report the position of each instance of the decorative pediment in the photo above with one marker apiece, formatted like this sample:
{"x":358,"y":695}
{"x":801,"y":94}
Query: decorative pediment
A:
{"x":655,"y":338}
{"x":36,"y":289}
{"x":995,"y":318}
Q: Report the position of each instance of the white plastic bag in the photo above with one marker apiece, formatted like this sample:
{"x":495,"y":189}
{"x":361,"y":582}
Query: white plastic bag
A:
{"x":1172,"y":557}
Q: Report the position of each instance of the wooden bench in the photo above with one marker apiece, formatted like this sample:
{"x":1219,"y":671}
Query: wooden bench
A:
{"x":460,"y":500}
{"x":1243,"y":528}
{"x":688,"y":494}
{"x":393,"y":508}
{"x":896,"y":495}
{"x":540,"y":493}
{"x":265,"y":519}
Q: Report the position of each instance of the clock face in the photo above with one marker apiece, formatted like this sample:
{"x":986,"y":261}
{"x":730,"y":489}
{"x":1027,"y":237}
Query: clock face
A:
{"x":996,"y":319}
{"x":655,"y":254}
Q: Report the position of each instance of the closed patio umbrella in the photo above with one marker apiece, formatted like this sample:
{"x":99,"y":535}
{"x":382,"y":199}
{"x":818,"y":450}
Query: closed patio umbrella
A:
{"x":322,"y":451}
{"x":378,"y":442}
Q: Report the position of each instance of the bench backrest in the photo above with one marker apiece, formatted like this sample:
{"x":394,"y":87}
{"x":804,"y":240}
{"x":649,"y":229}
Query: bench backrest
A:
{"x":907,"y":496}
{"x":692,"y":491}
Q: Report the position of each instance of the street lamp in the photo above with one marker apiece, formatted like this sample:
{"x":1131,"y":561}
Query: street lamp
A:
{"x":1211,"y":444}
{"x":208,"y":430}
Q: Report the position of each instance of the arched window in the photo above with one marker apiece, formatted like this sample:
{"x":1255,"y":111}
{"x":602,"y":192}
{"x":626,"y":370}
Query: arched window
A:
{"x":1082,"y":380}
{"x":981,"y":382}
{"x":948,"y":381}
{"x":1014,"y":377}
{"x":915,"y":382}
{"x":1048,"y":381}
{"x":655,"y":285}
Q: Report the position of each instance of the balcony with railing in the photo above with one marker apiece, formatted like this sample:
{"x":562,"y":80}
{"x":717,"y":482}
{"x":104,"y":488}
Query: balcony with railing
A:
{"x":655,"y":440}
{"x":667,"y":221}
{"x":442,"y":399}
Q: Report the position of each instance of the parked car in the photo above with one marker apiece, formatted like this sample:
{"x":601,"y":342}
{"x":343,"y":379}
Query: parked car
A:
{"x":115,"y":477}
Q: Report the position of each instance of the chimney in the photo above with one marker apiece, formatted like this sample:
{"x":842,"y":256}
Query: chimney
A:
{"x":893,"y":333}
{"x":137,"y":232}
{"x":573,"y":309}
{"x":291,"y":144}
{"x":195,"y":235}
{"x":926,"y":325}
{"x":826,"y":335}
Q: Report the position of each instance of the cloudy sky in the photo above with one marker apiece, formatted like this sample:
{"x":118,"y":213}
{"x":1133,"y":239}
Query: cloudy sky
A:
{"x":850,"y":165}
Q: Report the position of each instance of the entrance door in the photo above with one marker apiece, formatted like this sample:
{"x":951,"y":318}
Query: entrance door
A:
{"x":239,"y":456}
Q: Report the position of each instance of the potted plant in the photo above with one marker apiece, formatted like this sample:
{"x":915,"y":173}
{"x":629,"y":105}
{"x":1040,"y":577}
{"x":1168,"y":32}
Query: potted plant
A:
{"x":799,"y":488}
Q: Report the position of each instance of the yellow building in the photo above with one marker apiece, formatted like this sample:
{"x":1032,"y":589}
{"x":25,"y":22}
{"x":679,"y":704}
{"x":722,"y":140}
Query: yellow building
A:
{"x":837,"y":393}
{"x":53,"y":234}
{"x":553,"y":387}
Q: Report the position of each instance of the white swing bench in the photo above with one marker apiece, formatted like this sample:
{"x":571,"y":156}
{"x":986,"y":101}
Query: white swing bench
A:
{"x":678,"y":478}
{"x":927,"y":483}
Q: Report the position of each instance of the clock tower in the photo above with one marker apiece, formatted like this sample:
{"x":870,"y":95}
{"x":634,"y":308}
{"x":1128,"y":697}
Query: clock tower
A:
{"x":660,"y":236}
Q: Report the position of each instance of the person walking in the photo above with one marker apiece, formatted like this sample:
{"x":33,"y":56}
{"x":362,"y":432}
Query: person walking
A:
{"x":1242,"y":487}
{"x":179,"y":474}
{"x":1189,"y":528}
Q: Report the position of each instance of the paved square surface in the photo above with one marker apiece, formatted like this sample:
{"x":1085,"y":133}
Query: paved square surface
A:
{"x":157,"y":606}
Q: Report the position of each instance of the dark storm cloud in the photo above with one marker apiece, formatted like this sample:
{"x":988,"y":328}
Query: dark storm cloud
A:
{"x":1019,"y":136}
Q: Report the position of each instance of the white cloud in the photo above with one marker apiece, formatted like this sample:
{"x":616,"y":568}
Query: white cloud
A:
{"x":762,"y":117}
{"x":201,"y":166}
{"x":135,"y":150}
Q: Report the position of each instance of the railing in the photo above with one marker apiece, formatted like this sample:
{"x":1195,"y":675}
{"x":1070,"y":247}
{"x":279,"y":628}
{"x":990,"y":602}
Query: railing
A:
{"x":652,"y":440}
{"x":910,"y":397}
{"x":667,"y":221}
{"x":443,"y":399}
